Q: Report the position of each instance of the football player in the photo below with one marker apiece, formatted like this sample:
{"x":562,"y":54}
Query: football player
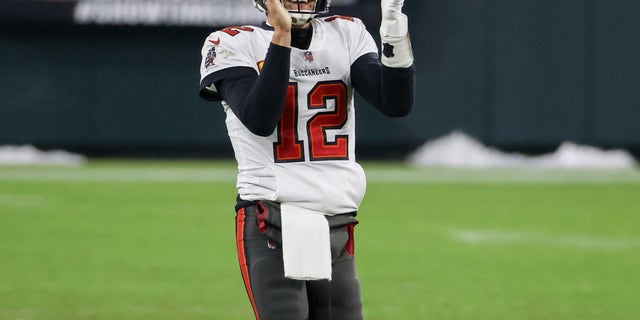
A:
{"x":287,"y":88}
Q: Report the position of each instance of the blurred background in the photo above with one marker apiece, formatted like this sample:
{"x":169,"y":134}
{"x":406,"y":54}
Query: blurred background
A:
{"x":120,"y":78}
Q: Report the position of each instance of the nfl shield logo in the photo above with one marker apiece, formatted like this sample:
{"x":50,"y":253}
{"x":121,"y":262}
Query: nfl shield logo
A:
{"x":308,"y":56}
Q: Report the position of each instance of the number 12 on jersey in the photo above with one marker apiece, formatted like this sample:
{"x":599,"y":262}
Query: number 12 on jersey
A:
{"x":289,"y":147}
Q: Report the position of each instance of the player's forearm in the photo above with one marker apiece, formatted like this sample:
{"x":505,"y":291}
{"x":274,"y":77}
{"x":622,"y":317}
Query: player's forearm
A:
{"x":390,"y":90}
{"x":398,"y":91}
{"x":259,"y":101}
{"x":282,"y":38}
{"x":280,"y":19}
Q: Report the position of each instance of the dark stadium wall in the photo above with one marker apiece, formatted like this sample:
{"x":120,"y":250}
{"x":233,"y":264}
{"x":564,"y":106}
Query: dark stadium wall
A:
{"x":519,"y":75}
{"x":527,"y":75}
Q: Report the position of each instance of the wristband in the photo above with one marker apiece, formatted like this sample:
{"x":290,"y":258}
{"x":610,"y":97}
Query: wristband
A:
{"x":396,"y":44}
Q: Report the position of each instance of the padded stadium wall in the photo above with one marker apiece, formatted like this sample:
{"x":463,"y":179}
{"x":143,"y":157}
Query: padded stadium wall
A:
{"x":518,"y":75}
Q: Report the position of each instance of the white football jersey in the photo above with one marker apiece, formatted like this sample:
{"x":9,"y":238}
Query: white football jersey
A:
{"x":309,"y":159}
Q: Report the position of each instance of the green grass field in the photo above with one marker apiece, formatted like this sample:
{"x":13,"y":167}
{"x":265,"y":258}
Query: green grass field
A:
{"x":155,"y":240}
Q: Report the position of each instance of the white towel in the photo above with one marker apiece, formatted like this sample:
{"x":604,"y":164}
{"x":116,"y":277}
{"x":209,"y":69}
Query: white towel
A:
{"x":306,"y":248}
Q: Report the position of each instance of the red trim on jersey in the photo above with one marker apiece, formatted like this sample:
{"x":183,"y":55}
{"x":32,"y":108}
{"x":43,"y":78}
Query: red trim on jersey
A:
{"x":242,"y":258}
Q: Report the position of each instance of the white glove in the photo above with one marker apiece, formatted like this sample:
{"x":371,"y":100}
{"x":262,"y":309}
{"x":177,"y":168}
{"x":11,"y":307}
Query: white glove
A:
{"x":394,"y":6}
{"x":394,"y":33}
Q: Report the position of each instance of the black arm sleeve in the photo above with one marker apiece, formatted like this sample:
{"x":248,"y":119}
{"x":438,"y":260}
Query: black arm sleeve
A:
{"x":258,"y":101}
{"x":390,"y":90}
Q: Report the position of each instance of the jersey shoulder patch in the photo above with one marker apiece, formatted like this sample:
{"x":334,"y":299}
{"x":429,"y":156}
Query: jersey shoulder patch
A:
{"x":234,"y":46}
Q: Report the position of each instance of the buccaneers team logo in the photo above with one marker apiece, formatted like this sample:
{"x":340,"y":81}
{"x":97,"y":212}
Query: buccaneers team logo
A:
{"x":211,"y":57}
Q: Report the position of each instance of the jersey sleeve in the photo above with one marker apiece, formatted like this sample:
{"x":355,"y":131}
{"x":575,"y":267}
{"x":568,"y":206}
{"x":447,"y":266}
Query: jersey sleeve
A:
{"x":220,"y":53}
{"x":360,"y":40}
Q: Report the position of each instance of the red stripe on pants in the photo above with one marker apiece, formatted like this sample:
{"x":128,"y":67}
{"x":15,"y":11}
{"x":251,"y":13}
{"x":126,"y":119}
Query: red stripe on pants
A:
{"x":242,"y":258}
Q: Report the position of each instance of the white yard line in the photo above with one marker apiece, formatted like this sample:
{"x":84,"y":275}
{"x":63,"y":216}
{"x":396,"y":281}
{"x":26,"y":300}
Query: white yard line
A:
{"x":587,"y":242}
{"x":374,"y":175}
{"x":120,"y":175}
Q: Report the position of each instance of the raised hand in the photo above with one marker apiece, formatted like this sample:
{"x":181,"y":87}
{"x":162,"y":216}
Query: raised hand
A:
{"x":391,"y":6}
{"x":394,"y":33}
{"x":394,"y":22}
{"x":277,"y":16}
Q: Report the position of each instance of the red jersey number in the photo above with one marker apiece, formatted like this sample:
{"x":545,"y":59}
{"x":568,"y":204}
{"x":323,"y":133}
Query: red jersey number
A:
{"x":289,"y":148}
{"x":234,"y":30}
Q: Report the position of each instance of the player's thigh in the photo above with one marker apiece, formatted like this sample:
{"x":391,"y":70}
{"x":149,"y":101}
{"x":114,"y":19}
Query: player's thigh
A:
{"x":346,"y":296}
{"x":275,"y":296}
{"x":338,"y":299}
